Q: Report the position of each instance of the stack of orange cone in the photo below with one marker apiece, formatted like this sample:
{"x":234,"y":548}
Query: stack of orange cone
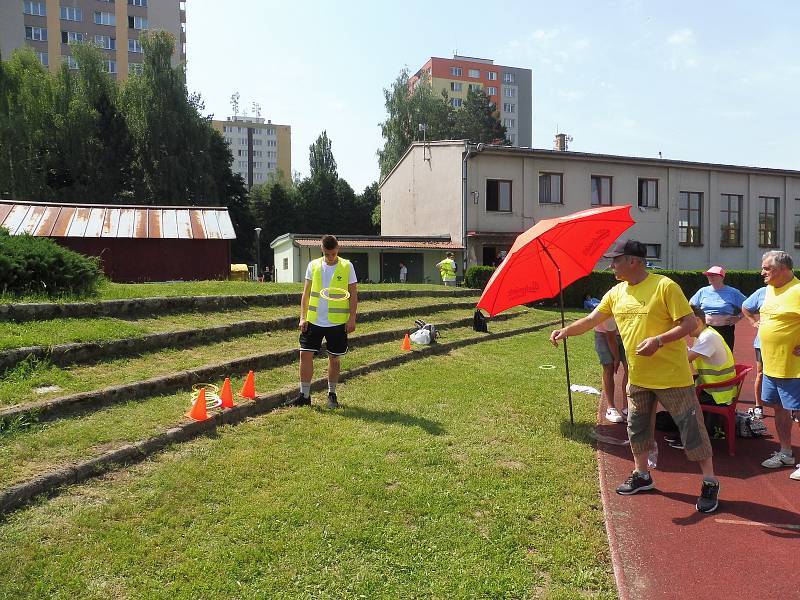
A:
{"x":249,"y":388}
{"x":226,"y":396}
{"x":406,"y":347}
{"x":199,"y":412}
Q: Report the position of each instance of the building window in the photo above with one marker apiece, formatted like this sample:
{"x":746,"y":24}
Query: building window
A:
{"x":690,"y":212}
{"x":43,"y":58}
{"x":491,"y":91}
{"x":455,"y":86}
{"x":105,"y":41}
{"x":509,"y":123}
{"x":498,"y":195}
{"x":104,"y":18}
{"x":648,"y":193}
{"x":457,"y":102}
{"x":137,"y":23}
{"x":508,"y":92}
{"x":768,"y":221}
{"x":455,"y":71}
{"x":512,"y":138}
{"x":71,"y":13}
{"x":730,"y":219}
{"x":72,"y":37}
{"x":653,"y":251}
{"x":135,"y":46}
{"x":111,"y":66}
{"x":797,"y":222}
{"x":475,"y":73}
{"x":508,"y":78}
{"x":492,"y":76}
{"x":38,"y":34}
{"x":38,"y":9}
{"x":71,"y":62}
{"x":137,"y":2}
{"x":135,"y":68}
{"x":551,"y":188}
{"x":508,"y":107}
{"x":474,"y":87}
{"x":285,"y":264}
{"x":601,"y":190}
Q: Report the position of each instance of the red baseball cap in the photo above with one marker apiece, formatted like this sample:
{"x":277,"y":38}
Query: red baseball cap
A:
{"x":715,"y":271}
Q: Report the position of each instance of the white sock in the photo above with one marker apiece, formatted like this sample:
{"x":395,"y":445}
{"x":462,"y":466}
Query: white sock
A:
{"x":305,"y":388}
{"x":332,"y":387}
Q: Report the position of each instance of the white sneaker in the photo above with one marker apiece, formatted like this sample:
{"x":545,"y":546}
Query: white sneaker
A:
{"x":779,"y":459}
{"x":613,"y":416}
{"x":796,"y":474}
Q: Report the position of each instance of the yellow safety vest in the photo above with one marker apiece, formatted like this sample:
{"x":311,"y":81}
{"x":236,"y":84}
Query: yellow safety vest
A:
{"x":708,"y":373}
{"x":338,"y":304}
{"x":447,"y":269}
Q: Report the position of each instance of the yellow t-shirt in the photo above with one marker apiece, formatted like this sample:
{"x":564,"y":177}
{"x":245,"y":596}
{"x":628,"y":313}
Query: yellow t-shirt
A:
{"x":780,"y":330}
{"x":645,"y":310}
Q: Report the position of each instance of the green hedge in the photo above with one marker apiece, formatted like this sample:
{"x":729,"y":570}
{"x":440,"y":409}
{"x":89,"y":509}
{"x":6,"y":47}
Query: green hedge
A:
{"x":598,"y":283}
{"x":34,"y":265}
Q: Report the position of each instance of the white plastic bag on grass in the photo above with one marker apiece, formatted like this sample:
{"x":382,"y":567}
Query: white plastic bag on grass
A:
{"x":421,"y":336}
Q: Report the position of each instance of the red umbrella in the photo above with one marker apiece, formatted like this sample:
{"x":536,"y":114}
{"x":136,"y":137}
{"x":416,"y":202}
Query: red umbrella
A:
{"x":551,"y":255}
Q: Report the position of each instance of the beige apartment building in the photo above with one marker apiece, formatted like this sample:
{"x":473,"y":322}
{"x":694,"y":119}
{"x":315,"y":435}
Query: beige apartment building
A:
{"x":260,"y":148}
{"x":115,"y":26}
{"x":689,"y":214}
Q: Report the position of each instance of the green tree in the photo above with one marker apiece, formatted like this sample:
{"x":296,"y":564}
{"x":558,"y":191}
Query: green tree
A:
{"x":320,"y":158}
{"x":276,"y":209}
{"x":478,"y":120}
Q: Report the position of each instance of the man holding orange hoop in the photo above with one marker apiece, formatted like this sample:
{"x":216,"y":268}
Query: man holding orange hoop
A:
{"x":327,"y":311}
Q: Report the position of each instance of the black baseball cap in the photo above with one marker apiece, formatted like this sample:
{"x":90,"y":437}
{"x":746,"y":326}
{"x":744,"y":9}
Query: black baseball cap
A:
{"x":628,"y":248}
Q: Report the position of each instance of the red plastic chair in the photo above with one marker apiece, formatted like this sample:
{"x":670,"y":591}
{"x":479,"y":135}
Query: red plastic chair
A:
{"x":726,"y":410}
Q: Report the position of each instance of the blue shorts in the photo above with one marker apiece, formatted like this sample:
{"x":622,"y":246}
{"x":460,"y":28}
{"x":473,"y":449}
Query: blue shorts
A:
{"x":779,"y":389}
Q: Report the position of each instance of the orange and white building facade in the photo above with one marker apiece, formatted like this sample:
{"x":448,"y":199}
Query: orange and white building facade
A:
{"x":508,"y":88}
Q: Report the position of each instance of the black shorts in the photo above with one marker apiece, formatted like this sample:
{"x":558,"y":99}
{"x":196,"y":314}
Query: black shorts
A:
{"x":335,"y":339}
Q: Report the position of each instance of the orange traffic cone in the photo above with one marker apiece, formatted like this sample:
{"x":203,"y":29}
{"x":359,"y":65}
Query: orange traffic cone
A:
{"x":249,"y":388}
{"x":226,"y":395}
{"x":199,"y":412}
{"x":406,"y":344}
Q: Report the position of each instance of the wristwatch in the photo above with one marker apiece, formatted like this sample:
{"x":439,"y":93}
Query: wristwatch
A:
{"x":660,"y":341}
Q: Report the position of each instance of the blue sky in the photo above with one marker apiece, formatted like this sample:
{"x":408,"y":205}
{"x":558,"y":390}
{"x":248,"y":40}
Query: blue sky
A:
{"x":707,"y":81}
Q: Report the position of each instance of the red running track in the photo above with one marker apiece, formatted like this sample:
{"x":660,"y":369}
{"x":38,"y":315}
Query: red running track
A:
{"x":662,"y":548}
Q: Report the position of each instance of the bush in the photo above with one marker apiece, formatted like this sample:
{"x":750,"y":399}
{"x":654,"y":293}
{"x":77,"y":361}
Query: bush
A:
{"x":477,"y":276}
{"x":34,"y":265}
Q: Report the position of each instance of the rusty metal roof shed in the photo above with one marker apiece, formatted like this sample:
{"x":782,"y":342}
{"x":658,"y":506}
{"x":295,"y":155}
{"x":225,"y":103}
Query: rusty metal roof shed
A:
{"x":45,"y":219}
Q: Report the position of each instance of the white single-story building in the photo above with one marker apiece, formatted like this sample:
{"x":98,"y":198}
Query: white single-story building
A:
{"x":690,"y":215}
{"x":375,"y":258}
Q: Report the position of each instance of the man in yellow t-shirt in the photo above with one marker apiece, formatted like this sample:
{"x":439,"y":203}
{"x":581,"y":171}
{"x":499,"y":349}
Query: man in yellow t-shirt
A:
{"x":780,"y":351}
{"x":653,"y":317}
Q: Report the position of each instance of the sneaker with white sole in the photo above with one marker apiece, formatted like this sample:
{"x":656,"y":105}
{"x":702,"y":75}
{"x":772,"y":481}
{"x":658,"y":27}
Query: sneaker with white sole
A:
{"x":636,"y":483}
{"x":778,"y":459}
{"x":613,"y":416}
{"x":709,"y":497}
{"x":796,"y":474}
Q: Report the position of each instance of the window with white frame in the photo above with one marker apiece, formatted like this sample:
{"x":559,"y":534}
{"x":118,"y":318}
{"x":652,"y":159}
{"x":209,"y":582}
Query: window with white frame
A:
{"x":768,"y":221}
{"x":551,"y":188}
{"x":455,"y":86}
{"x":71,"y":62}
{"x":455,"y":71}
{"x":137,"y":23}
{"x":474,"y":87}
{"x":509,"y":123}
{"x":512,"y":138}
{"x":272,"y":165}
{"x":474,"y":73}
{"x":648,"y":193}
{"x":137,"y":3}
{"x":37,"y":34}
{"x":498,"y":195}
{"x":491,"y":91}
{"x":111,"y":66}
{"x":601,"y":190}
{"x":71,"y":13}
{"x":106,"y":42}
{"x":492,"y":75}
{"x":270,"y":131}
{"x":508,"y":92}
{"x":135,"y":46}
{"x":38,"y":9}
{"x":104,"y":18}
{"x":730,"y":220}
{"x":456,"y":102}
{"x":653,"y":251}
{"x":72,"y":37}
{"x":690,"y":218}
{"x":508,"y":107}
{"x":43,"y":58}
{"x":508,"y":78}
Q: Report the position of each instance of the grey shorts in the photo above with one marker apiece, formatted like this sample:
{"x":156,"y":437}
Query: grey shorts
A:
{"x":603,"y":351}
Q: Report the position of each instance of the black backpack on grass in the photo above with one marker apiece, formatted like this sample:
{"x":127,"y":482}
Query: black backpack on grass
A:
{"x":479,"y":322}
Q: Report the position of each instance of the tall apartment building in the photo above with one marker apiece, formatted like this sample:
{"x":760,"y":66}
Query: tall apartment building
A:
{"x":509,"y":88}
{"x":259,"y":148}
{"x":50,"y":26}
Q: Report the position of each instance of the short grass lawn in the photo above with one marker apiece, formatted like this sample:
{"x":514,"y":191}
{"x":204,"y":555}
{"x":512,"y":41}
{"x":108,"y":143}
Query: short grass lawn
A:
{"x":456,"y":476}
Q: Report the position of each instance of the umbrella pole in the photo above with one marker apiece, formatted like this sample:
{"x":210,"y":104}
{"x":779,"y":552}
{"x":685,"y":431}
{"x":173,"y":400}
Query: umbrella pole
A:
{"x":563,"y":324}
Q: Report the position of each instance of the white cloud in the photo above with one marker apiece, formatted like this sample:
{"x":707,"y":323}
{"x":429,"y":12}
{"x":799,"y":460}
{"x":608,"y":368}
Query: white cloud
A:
{"x":681,"y":37}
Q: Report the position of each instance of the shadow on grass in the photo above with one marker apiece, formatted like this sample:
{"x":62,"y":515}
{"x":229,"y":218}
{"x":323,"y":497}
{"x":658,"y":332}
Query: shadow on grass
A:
{"x":579,"y":432}
{"x":392,"y":417}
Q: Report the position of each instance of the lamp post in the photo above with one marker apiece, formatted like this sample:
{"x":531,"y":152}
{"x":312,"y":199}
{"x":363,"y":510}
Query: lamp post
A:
{"x":258,"y":252}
